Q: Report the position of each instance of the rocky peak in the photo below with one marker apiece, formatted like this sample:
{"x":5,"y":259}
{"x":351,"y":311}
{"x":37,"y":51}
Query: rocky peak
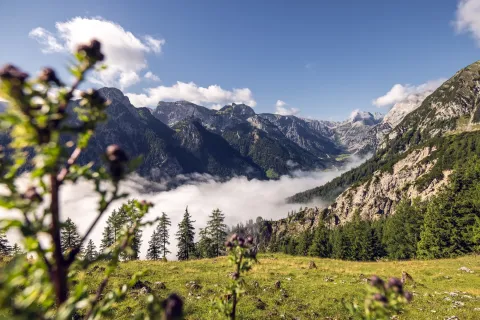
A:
{"x":238,"y":110}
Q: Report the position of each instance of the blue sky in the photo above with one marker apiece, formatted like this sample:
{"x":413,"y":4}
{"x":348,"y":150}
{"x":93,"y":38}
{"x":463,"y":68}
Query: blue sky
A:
{"x":324,"y":58}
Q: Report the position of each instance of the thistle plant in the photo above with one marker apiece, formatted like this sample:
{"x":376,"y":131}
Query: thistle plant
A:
{"x":241,"y":255}
{"x":383,"y":300}
{"x":47,"y":137}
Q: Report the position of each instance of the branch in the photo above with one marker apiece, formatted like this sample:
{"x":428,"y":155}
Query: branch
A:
{"x":73,"y":157}
{"x":69,"y":95}
{"x":40,"y":248}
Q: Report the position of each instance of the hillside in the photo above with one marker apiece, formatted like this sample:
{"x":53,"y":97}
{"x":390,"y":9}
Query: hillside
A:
{"x":416,"y":157}
{"x":440,"y":289}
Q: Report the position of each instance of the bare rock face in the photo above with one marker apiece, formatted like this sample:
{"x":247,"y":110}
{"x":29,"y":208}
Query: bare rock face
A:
{"x":381,"y":193}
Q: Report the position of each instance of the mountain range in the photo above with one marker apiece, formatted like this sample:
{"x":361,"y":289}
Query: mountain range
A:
{"x":431,"y":139}
{"x":178,"y":138}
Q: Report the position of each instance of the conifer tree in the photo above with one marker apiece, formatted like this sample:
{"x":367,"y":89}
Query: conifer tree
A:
{"x":304,"y":242}
{"x":217,"y":231}
{"x":321,"y":246}
{"x":118,"y":220}
{"x":5,"y":248}
{"x":91,"y":251}
{"x":163,"y":235}
{"x":70,"y":238}
{"x":402,"y":230}
{"x":205,"y":247}
{"x":154,"y":247}
{"x":185,"y":237}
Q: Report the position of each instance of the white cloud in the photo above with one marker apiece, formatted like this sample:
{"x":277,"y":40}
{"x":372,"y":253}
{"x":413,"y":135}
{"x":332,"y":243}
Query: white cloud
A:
{"x":47,"y":39}
{"x":281,"y":109}
{"x":237,"y":198}
{"x":125,"y":53}
{"x":280,"y":103}
{"x":467,"y":18}
{"x":400,"y":92}
{"x":209,"y":96}
{"x":151,"y":76}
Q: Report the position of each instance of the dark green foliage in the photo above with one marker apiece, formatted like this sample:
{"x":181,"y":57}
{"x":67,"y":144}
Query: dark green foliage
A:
{"x":70,"y":237}
{"x":402,"y":231}
{"x":321,"y":245}
{"x":162,"y":232}
{"x":304,"y":243}
{"x":91,"y":251}
{"x":5,"y":248}
{"x":185,"y":236}
{"x":153,"y":252}
{"x":116,"y":223}
{"x":449,"y":217}
{"x":217,"y":231}
{"x":205,"y":247}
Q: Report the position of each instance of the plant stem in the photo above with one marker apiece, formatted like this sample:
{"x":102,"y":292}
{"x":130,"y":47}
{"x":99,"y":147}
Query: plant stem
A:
{"x":59,"y":270}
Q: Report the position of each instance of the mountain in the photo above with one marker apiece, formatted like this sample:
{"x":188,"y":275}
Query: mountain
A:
{"x":415,"y":159}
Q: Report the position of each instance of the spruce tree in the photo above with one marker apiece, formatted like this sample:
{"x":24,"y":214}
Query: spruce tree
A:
{"x":320,"y":246}
{"x":401,"y":232}
{"x":154,"y":247}
{"x":185,"y":236}
{"x":5,"y":248}
{"x":162,"y":231}
{"x":70,"y":239}
{"x":304,"y":242}
{"x":205,"y":246}
{"x":118,"y":220}
{"x":217,"y":231}
{"x":91,"y":251}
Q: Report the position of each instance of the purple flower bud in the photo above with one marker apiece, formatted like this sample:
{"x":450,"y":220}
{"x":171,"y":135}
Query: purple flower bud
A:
{"x":233,"y":237}
{"x":408,"y":296}
{"x":172,"y":307}
{"x":10,"y":72}
{"x":116,"y":154}
{"x":48,"y":75}
{"x":376,"y":282}
{"x":249,"y":240}
{"x":235,"y":275}
{"x":380,"y":298}
{"x":395,"y":284}
{"x":32,"y":195}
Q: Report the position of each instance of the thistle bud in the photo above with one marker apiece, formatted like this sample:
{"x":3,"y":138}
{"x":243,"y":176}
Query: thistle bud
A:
{"x":376,"y":282}
{"x":32,"y":195}
{"x":229,"y":245}
{"x":235,"y":275}
{"x":92,"y":51}
{"x":172,"y":307}
{"x":249,"y":240}
{"x":116,"y":158}
{"x":11,"y":73}
{"x":241,"y":241}
{"x":233,"y":237}
{"x":395,"y":284}
{"x":380,"y":298}
{"x":408,"y":296}
{"x":48,"y":75}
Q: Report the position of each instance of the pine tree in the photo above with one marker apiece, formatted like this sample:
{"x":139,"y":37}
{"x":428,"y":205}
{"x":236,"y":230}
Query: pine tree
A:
{"x":304,"y":242}
{"x":205,"y":246}
{"x":321,"y":246}
{"x":217,"y":231}
{"x":154,"y":247}
{"x":162,"y":231}
{"x":91,"y":251}
{"x":118,"y":220}
{"x":70,"y":239}
{"x":5,"y":248}
{"x":402,"y":231}
{"x":185,"y":237}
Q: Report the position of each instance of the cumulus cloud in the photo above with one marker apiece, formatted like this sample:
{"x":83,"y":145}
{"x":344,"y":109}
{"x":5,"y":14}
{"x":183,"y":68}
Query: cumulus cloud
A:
{"x":467,"y":18}
{"x":281,"y":109}
{"x":402,"y":92}
{"x":213,"y":95}
{"x":239,"y":198}
{"x":125,"y":53}
{"x":151,"y":76}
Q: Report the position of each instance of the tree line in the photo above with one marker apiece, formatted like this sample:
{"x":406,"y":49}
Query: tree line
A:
{"x":446,"y":225}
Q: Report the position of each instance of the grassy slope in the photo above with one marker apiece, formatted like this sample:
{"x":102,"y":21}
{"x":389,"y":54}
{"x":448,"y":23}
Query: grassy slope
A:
{"x":309,"y":295}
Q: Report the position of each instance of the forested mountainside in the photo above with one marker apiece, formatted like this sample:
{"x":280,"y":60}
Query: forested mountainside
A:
{"x":430,"y":158}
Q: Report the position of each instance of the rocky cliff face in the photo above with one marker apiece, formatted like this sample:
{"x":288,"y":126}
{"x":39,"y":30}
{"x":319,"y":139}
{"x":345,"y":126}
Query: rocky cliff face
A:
{"x":413,"y":159}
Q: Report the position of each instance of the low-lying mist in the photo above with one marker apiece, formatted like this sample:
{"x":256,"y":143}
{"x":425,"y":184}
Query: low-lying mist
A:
{"x":240,"y":199}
